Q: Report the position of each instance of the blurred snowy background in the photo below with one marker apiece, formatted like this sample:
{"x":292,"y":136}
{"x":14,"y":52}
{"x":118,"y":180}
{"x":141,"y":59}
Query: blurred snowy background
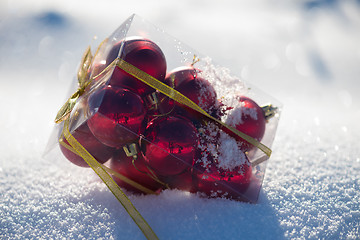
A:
{"x":305,"y":53}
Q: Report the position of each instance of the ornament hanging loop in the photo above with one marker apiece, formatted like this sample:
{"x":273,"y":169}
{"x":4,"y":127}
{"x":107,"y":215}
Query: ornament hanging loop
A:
{"x":131,"y":150}
{"x":269,"y":111}
{"x":195,"y":60}
{"x":152,"y":101}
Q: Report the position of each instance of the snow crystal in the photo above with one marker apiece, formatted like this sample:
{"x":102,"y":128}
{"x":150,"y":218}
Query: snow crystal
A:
{"x":225,"y":84}
{"x":235,"y":116}
{"x":230,"y":155}
{"x":206,"y":92}
{"x":208,"y":143}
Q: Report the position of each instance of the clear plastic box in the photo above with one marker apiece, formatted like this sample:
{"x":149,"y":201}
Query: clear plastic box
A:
{"x":148,"y":139}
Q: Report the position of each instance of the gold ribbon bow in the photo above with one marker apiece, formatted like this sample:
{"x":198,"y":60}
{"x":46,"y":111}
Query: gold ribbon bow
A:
{"x":83,"y":81}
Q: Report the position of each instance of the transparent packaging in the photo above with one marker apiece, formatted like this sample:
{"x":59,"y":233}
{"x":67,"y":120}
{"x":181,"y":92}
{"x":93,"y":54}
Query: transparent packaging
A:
{"x":152,"y":136}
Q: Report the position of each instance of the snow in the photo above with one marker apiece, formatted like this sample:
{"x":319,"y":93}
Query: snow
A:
{"x":304,"y":53}
{"x":228,"y":148}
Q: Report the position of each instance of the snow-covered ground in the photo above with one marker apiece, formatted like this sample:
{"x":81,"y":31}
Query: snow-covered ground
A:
{"x":304,"y":53}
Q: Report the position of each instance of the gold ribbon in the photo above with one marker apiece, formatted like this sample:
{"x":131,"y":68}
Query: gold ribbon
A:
{"x":101,"y":170}
{"x":83,"y":82}
{"x":112,"y":172}
{"x":113,"y":187}
{"x":177,"y":96}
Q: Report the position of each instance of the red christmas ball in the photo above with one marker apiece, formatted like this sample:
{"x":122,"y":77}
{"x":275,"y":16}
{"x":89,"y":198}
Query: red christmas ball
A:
{"x":214,"y":181}
{"x":164,"y":104}
{"x":143,"y":54}
{"x":117,"y":115}
{"x":199,"y":90}
{"x":84,"y":136}
{"x":249,"y":119}
{"x":169,"y":145}
{"x":179,"y":75}
{"x":136,"y":171}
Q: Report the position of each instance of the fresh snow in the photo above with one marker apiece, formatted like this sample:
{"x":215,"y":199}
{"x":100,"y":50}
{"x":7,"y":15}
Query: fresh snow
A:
{"x":305,"y":53}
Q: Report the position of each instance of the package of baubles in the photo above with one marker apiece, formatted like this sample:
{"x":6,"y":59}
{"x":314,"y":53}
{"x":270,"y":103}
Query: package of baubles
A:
{"x":154,"y":114}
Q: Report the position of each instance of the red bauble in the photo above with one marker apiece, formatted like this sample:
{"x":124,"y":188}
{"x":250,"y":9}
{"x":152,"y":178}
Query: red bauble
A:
{"x":249,"y":119}
{"x":200,"y":92}
{"x":179,"y":75}
{"x":118,"y":115}
{"x":169,"y":145}
{"x":173,"y":79}
{"x":143,"y":54}
{"x":84,"y":136}
{"x":164,"y":104}
{"x":197,"y":89}
{"x":138,"y":173}
{"x":214,"y":181}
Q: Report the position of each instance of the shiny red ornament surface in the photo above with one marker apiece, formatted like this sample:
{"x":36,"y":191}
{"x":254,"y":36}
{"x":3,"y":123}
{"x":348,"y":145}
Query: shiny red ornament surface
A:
{"x":117,"y":115}
{"x":179,"y":75}
{"x":166,"y":105}
{"x":217,"y":182}
{"x":143,"y":54}
{"x":169,"y":145}
{"x":84,"y":136}
{"x":249,"y":119}
{"x":136,"y":171}
{"x":197,"y":89}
